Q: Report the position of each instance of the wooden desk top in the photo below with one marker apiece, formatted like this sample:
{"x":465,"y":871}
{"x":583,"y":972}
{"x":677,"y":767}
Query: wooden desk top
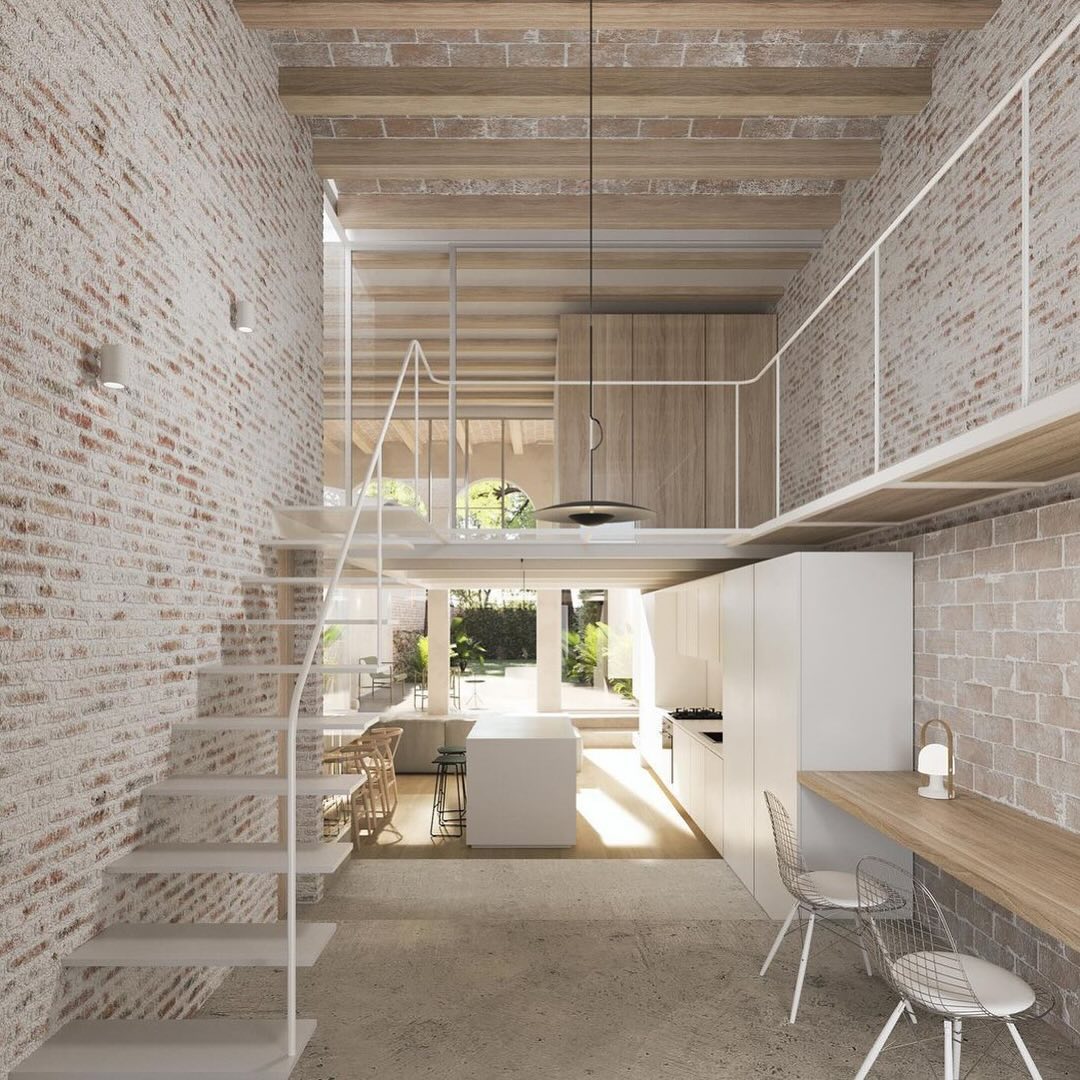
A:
{"x":1026,"y":865}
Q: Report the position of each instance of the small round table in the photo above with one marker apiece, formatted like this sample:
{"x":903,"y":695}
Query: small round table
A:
{"x":474,"y":701}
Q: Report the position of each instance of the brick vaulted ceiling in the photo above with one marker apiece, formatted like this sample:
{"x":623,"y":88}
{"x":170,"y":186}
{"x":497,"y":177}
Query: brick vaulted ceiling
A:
{"x":740,"y":118}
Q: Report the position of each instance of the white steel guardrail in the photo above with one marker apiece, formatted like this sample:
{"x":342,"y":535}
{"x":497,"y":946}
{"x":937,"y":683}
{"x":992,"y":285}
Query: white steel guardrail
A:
{"x":414,"y":357}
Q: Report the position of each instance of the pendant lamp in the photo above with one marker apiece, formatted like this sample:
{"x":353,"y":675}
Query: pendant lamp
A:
{"x":592,"y":512}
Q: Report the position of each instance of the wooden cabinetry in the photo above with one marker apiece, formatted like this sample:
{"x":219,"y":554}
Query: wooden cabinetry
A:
{"x":669,"y":421}
{"x":671,"y":448}
{"x":737,"y":348}
{"x":612,"y":405}
{"x":817,"y":675}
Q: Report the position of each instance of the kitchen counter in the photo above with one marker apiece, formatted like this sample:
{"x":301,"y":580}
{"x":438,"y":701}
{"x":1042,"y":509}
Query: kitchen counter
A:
{"x":522,"y":782}
{"x":696,"y":730}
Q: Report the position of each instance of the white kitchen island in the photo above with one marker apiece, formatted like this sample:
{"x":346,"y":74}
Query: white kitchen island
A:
{"x":522,"y":782}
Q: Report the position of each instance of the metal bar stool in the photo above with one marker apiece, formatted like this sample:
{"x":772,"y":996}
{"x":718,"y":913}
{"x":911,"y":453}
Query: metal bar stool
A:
{"x":447,"y":819}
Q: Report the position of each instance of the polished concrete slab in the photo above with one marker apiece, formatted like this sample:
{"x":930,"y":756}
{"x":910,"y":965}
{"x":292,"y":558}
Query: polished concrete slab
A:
{"x":601,"y":969}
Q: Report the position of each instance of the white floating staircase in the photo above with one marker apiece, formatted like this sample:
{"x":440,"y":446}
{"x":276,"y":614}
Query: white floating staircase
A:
{"x":223,"y":1049}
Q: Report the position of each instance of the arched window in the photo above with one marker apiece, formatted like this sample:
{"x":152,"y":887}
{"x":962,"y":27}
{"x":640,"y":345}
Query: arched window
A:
{"x":395,"y":491}
{"x":492,"y":504}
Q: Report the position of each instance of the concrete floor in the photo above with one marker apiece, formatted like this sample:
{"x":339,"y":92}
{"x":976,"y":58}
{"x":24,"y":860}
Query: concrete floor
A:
{"x":573,"y":969}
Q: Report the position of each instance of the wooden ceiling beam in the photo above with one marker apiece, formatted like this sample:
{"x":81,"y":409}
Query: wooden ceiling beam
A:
{"x":622,"y":14}
{"x":741,"y":91}
{"x":616,"y":159}
{"x":571,"y":211}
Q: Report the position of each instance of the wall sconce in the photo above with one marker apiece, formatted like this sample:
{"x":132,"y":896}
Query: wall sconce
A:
{"x":244,"y":317}
{"x":114,"y":366}
{"x":937,"y":763}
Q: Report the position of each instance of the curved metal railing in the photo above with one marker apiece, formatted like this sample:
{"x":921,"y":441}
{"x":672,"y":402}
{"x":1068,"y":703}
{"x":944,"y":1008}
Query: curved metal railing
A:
{"x":414,"y":355}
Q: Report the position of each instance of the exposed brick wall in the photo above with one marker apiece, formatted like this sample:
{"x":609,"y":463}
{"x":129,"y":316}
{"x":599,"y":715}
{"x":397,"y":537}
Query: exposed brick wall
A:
{"x":950,"y":332}
{"x":150,"y":178}
{"x":997,"y":656}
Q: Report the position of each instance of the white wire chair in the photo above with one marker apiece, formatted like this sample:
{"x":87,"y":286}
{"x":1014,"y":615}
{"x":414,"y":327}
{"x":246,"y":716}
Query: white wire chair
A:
{"x":917,"y":956}
{"x":817,"y":893}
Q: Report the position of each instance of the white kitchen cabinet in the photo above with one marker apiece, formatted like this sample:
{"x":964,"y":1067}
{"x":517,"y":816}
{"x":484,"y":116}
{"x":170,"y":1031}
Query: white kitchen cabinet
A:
{"x":712,"y":823}
{"x":709,"y":619}
{"x":682,"y":765}
{"x":817,"y":664}
{"x":695,"y":802}
{"x":737,"y":621}
{"x":687,"y":643}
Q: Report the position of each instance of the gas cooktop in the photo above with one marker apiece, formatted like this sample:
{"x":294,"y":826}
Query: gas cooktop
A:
{"x":700,"y":713}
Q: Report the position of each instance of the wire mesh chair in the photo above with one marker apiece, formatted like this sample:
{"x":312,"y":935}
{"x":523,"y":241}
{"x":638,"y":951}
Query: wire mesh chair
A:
{"x":816,"y":893}
{"x":917,"y":956}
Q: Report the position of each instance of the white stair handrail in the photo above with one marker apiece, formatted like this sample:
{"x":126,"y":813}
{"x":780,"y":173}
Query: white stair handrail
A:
{"x":414,"y":354}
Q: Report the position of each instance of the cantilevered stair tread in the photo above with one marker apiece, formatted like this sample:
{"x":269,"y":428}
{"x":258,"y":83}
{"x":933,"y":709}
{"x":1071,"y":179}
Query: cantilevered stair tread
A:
{"x":317,"y":858}
{"x":350,"y":722}
{"x":143,"y":945}
{"x":167,"y":1050}
{"x":241,"y":621}
{"x":345,"y":582}
{"x":224,"y":785}
{"x":271,"y":668}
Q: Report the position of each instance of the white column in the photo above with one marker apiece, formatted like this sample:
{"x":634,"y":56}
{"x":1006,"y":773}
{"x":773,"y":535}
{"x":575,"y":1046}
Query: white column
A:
{"x":438,"y":620}
{"x":549,"y":650}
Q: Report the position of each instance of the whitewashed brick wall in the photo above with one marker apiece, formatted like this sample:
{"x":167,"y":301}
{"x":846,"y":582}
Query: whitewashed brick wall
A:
{"x":149,"y":179}
{"x":950,"y":276}
{"x":997,"y":656}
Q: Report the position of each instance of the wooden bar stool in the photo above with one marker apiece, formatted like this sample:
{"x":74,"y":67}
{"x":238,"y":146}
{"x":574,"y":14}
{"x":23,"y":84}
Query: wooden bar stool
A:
{"x":360,"y":760}
{"x":386,"y":741}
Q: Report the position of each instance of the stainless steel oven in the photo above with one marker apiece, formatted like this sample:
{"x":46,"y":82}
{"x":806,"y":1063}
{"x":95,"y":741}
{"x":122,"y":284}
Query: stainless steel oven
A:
{"x":667,"y":746}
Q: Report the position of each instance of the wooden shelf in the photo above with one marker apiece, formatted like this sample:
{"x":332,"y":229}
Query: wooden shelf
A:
{"x":1026,"y":865}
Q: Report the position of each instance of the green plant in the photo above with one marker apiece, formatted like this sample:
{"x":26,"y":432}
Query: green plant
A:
{"x":331,"y":635}
{"x":417,"y":663}
{"x":584,"y":652}
{"x":465,"y":651}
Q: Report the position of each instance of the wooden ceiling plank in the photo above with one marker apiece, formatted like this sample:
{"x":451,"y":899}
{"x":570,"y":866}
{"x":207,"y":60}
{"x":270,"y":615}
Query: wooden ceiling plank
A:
{"x":623,"y":14}
{"x":541,"y":92}
{"x":571,"y":211}
{"x":498,"y":159}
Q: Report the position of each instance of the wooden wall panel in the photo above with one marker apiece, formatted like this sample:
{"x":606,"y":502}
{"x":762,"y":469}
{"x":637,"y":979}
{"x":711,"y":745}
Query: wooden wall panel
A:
{"x":669,"y":422}
{"x":613,"y":347}
{"x":737,"y":347}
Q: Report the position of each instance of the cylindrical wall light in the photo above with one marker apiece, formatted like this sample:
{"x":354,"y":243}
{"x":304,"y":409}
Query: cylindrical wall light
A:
{"x":114,"y":366}
{"x":244,"y":319}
